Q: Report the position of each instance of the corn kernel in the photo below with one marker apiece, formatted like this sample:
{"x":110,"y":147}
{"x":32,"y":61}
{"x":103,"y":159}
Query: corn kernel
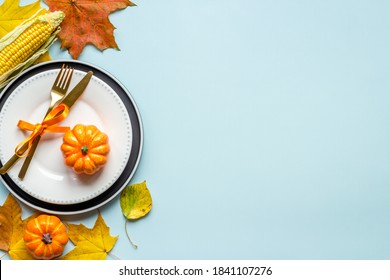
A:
{"x":26,"y":44}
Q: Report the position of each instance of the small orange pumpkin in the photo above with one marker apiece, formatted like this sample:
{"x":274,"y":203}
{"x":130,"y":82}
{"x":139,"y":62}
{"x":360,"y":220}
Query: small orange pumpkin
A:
{"x":45,"y":237}
{"x":85,"y":148}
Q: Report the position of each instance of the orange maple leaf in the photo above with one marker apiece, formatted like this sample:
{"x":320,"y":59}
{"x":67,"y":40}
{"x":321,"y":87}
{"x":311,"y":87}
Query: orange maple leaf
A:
{"x":86,"y":22}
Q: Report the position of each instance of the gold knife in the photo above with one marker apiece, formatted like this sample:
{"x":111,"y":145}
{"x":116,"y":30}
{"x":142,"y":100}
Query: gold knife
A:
{"x":69,"y":100}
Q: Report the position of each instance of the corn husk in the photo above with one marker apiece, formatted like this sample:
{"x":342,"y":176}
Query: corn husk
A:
{"x":55,"y":17}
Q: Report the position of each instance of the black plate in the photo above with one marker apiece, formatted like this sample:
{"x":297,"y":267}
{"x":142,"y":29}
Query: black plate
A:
{"x":135,"y":153}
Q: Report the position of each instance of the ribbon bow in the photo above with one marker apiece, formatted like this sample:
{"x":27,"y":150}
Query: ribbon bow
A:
{"x":49,"y":124}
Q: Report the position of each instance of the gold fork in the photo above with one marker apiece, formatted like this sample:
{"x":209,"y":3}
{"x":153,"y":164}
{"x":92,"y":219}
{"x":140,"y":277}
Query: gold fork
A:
{"x":59,"y":88}
{"x":57,"y":93}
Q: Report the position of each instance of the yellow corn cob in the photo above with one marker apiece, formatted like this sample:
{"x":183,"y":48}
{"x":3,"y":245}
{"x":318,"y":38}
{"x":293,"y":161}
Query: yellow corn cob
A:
{"x":29,"y":41}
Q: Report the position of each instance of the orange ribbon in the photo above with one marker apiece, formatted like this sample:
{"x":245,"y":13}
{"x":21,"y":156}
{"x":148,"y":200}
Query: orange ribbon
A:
{"x":49,"y":124}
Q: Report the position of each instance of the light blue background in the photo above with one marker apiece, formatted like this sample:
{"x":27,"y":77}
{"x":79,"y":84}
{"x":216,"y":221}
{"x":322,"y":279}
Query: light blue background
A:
{"x":266,"y":128}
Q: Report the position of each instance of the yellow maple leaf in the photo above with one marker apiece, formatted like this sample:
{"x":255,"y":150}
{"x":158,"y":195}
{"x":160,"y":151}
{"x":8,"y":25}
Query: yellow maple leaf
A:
{"x":12,"y":229}
{"x":12,"y":15}
{"x":20,"y":252}
{"x":90,"y":244}
{"x":11,"y":224}
{"x":43,"y":58}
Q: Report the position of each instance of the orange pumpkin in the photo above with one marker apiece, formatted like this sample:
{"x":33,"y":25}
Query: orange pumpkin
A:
{"x":45,"y":237}
{"x":85,"y":148}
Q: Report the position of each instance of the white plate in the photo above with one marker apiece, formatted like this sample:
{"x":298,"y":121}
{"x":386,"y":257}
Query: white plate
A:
{"x":49,"y":184}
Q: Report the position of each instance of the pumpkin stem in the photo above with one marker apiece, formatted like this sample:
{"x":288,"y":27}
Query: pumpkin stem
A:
{"x":84,"y":149}
{"x":46,"y":238}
